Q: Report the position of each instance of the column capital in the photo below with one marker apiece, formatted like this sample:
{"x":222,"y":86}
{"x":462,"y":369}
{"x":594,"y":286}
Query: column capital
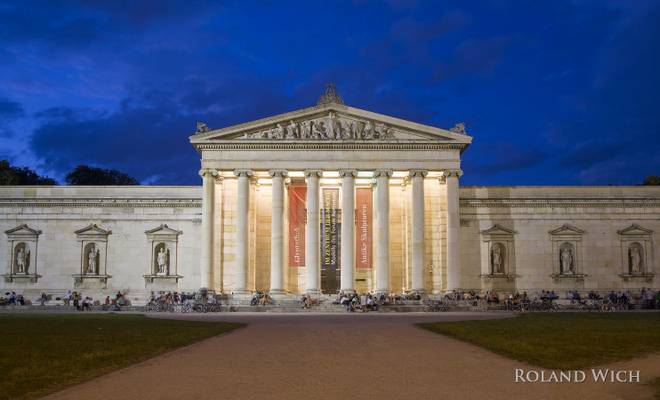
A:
{"x":313,"y":173}
{"x":417,"y":173}
{"x":280,"y":173}
{"x":382,"y":172}
{"x":208,"y":171}
{"x":449,"y":173}
{"x":348,"y":172}
{"x":243,"y":172}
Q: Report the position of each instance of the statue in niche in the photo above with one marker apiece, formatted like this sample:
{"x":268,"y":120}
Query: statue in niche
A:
{"x":635,"y":258}
{"x":496,"y":259}
{"x":161,"y":261}
{"x":22,"y":259}
{"x":305,"y":130}
{"x":92,"y":261}
{"x":566,"y":260}
{"x":292,"y":130}
{"x":368,"y":131}
{"x":331,"y":130}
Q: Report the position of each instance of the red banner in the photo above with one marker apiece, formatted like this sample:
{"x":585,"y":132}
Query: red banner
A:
{"x":363,"y":218}
{"x":297,"y":216}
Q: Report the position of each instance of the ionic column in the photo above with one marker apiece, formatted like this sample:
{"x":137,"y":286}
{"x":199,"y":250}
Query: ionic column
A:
{"x":383,"y":230}
{"x":208,"y":200}
{"x":277,"y":232}
{"x":347,"y":229}
{"x":242,"y":228}
{"x":417,"y":179}
{"x":312,"y":245}
{"x":453,"y":227}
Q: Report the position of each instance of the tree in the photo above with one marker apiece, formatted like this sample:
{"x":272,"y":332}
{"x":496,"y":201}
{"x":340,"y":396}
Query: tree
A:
{"x":85,"y":175}
{"x":652,"y":180}
{"x":10,"y":175}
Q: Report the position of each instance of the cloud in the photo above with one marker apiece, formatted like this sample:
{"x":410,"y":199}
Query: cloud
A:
{"x":10,"y":110}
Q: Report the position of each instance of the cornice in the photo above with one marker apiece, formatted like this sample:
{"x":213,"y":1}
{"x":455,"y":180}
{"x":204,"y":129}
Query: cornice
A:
{"x":566,"y":203}
{"x":89,"y":202}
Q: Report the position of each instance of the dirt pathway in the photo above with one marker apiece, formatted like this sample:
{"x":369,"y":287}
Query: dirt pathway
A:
{"x":373,"y":356}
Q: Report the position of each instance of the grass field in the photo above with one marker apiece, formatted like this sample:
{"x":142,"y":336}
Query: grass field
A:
{"x":43,"y":353}
{"x":564,"y":341}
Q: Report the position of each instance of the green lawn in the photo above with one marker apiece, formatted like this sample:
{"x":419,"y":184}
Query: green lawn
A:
{"x":562,"y":340}
{"x":41,"y":353}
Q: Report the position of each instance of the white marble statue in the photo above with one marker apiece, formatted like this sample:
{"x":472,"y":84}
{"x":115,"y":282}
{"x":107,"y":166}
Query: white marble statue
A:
{"x":635,"y":259}
{"x":331,"y":130}
{"x":368,"y":131}
{"x":91,"y":261}
{"x":318,"y":130}
{"x":161,"y":260}
{"x":496,"y":260}
{"x":279,"y":132}
{"x":566,"y":260}
{"x":292,"y":130}
{"x":305,"y":130}
{"x":346,"y":130}
{"x":22,"y":260}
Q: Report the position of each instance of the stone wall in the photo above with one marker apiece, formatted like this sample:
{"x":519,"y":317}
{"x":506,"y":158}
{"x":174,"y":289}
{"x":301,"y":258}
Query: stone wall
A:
{"x":594,"y":219}
{"x":58,"y":212}
{"x":533,"y":212}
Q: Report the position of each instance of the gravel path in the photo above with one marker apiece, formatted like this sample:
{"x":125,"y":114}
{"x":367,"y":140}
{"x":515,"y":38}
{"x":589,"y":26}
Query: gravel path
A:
{"x":352,"y":356}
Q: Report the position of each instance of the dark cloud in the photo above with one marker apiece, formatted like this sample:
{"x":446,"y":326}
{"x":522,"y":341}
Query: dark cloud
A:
{"x":501,"y":158}
{"x":120,"y":84}
{"x":145,"y":141}
{"x":10,"y":110}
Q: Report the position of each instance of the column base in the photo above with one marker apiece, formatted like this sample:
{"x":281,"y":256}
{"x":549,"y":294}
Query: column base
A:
{"x":314,"y":292}
{"x":278,"y":293}
{"x":241,"y":294}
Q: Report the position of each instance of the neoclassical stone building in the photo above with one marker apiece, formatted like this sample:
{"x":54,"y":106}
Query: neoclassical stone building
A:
{"x":323,"y":199}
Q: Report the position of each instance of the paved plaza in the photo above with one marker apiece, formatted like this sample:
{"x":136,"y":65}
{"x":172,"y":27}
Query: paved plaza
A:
{"x":354,"y":356}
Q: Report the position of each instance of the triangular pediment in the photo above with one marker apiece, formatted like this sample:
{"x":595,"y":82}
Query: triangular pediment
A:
{"x":163,"y":229}
{"x":331,"y":122}
{"x":498,"y":229}
{"x":23,"y":230}
{"x":92,"y":229}
{"x":635,"y":229}
{"x":566,"y":229}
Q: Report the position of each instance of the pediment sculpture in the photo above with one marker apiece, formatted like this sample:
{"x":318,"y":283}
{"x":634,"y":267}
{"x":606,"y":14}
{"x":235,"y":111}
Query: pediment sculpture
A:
{"x":330,"y":127}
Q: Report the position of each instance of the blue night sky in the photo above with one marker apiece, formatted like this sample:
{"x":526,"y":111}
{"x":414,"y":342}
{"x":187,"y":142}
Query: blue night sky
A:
{"x":553,"y":92}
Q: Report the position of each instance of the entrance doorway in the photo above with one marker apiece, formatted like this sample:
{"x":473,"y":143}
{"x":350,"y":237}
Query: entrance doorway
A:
{"x":330,"y":241}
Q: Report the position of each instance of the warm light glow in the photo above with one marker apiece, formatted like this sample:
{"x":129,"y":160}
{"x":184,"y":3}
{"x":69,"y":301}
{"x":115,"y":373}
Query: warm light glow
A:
{"x":365,"y":174}
{"x":261,"y":174}
{"x":434,"y":174}
{"x":399,"y":174}
{"x":396,"y":181}
{"x":329,"y":181}
{"x":330,"y":174}
{"x":264,"y":181}
{"x":366,"y":182}
{"x":296,"y":174}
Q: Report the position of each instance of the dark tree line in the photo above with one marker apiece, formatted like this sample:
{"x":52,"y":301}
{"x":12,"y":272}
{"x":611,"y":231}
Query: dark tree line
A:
{"x":81,"y":175}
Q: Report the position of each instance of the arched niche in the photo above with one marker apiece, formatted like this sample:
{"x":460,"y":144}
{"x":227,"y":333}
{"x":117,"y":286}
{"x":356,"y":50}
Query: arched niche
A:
{"x":162,"y":272}
{"x":22,"y":255}
{"x":567,"y":254}
{"x":636,"y":254}
{"x":93,"y":268}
